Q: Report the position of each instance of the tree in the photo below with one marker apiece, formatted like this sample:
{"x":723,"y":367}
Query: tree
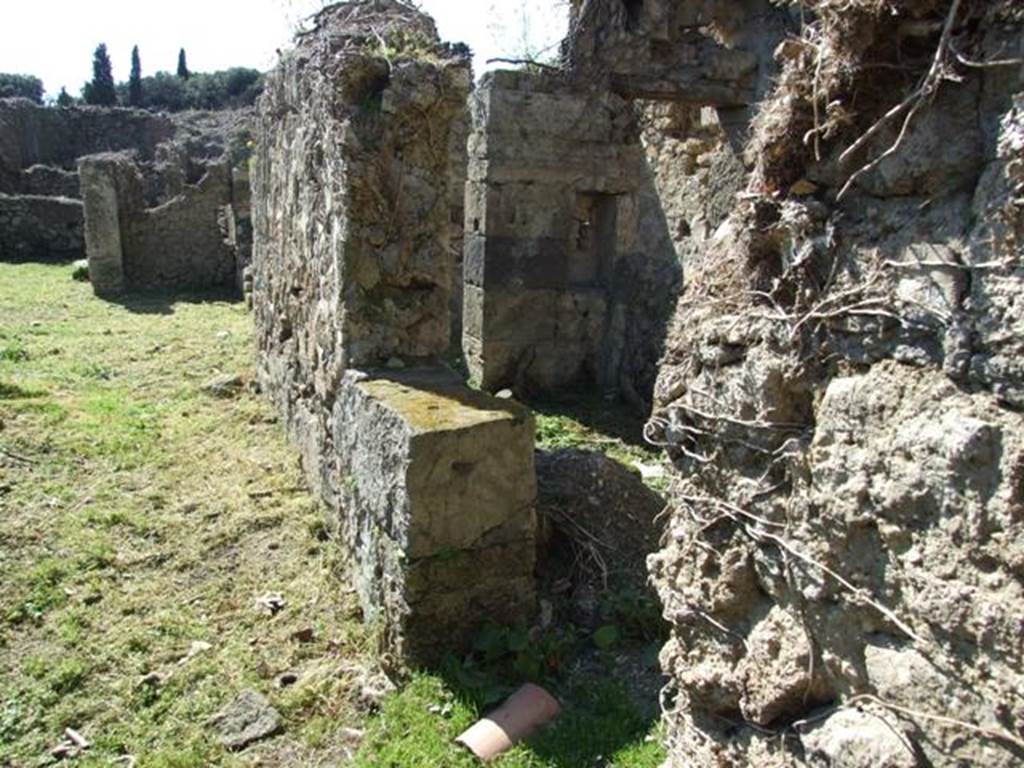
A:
{"x":101,"y":90}
{"x":21,"y":86}
{"x":64,"y":99}
{"x":135,"y":81}
{"x":183,"y":72}
{"x":165,"y":92}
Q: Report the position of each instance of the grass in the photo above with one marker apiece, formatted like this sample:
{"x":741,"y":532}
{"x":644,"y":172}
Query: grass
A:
{"x":141,"y":519}
{"x":602,"y":728}
{"x":589,"y":422}
{"x":140,"y":516}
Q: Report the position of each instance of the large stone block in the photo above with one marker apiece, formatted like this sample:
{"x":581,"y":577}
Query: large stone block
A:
{"x":516,"y":263}
{"x":437,"y":492}
{"x":529,"y":210}
{"x":501,"y":314}
{"x":103,"y":242}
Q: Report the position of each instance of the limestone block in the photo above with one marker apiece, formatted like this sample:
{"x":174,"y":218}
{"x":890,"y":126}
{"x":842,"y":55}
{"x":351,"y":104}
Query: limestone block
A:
{"x":438,"y":492}
{"x":556,"y":365}
{"x":546,"y":114}
{"x":580,"y":317}
{"x":517,"y":263}
{"x":509,"y":315}
{"x":528,"y":210}
{"x":102,"y":226}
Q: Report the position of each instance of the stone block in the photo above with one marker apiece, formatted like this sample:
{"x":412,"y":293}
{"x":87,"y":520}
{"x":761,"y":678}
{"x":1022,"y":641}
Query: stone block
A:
{"x":580,"y":316}
{"x":557,"y":365}
{"x":546,"y":114}
{"x":438,"y":493}
{"x":508,"y":262}
{"x":508,"y":315}
{"x":102,"y":225}
{"x":524,"y":210}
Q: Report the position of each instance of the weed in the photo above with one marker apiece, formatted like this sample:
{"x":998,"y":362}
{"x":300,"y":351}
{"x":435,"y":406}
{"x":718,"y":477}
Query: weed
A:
{"x":14,"y":353}
{"x":45,"y":591}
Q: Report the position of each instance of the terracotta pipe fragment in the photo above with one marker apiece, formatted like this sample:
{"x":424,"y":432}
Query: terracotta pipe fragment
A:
{"x":526,"y":710}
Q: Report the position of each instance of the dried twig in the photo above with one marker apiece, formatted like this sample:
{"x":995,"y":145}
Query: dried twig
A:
{"x":526,"y":62}
{"x":914,"y":103}
{"x":996,"y":734}
{"x":17,"y":457}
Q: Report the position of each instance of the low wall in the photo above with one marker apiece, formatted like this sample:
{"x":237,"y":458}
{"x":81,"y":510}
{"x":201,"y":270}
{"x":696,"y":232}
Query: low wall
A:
{"x":184,"y":243}
{"x":34,"y":228}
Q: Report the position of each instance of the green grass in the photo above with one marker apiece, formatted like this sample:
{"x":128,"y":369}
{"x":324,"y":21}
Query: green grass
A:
{"x":130,"y":533}
{"x":589,"y":422}
{"x":601,"y":728}
{"x":140,"y":517}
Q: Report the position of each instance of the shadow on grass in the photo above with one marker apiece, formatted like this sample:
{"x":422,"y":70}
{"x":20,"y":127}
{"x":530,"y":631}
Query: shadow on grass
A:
{"x":163,"y":302}
{"x":10,"y":391}
{"x":599,"y":414}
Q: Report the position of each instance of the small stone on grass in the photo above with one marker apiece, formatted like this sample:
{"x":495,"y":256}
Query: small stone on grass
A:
{"x":248,"y":719}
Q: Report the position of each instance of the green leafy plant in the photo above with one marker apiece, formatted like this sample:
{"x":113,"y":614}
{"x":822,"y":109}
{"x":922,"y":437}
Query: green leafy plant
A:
{"x":504,"y":657}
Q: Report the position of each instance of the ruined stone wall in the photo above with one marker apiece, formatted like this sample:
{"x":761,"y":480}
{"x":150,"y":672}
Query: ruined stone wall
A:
{"x":35,"y":228}
{"x":841,"y":397}
{"x":186,"y":242}
{"x":349,"y":195}
{"x":32,"y":135}
{"x":569,"y":268}
{"x":430,"y":486}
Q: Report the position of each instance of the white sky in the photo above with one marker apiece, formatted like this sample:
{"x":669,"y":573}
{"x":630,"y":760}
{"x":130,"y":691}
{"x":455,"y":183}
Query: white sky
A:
{"x":55,"y":39}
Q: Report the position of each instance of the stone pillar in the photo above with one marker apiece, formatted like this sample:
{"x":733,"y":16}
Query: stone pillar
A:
{"x":439,"y":486}
{"x":102,"y":224}
{"x":550,"y":226}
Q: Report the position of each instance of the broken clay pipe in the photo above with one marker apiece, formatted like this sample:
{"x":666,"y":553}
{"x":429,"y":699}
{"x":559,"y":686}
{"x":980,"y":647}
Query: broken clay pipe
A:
{"x":526,"y":710}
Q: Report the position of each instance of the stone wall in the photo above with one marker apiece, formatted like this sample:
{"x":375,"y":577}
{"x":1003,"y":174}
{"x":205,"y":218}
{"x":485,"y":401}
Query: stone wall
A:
{"x":33,"y":135}
{"x":569,"y":268}
{"x":840,"y":396}
{"x":430,"y":486}
{"x":185,"y":242}
{"x":181,"y":242}
{"x":34,"y":228}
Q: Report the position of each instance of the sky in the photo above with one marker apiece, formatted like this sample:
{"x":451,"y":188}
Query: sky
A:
{"x":55,"y":39}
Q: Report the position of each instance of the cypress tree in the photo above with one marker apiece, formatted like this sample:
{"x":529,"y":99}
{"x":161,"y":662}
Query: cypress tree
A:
{"x":135,"y":81}
{"x":183,"y":72}
{"x":64,"y":98}
{"x":101,"y":90}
